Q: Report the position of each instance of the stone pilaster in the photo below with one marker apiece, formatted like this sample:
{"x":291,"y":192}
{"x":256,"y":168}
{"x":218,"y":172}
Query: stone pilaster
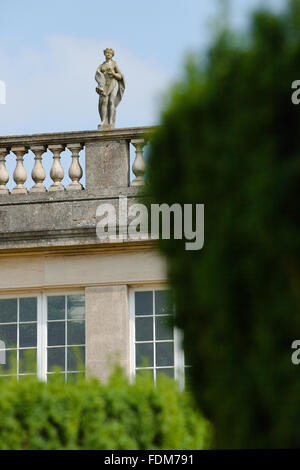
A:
{"x":107,"y":330}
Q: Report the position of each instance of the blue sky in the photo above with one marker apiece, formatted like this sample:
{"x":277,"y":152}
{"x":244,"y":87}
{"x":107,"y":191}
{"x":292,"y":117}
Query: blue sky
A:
{"x":49,"y":52}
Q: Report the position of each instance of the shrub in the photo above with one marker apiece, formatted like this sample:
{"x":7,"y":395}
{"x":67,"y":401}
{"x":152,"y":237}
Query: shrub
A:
{"x":90,"y":415}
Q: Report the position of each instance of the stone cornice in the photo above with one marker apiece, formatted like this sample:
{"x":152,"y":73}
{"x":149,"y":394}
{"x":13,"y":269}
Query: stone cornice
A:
{"x":72,"y":196}
{"x":83,"y":137}
{"x":81,"y":249}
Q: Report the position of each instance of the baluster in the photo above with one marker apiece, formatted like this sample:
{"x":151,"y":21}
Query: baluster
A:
{"x":139,"y":166}
{"x":38,"y":173}
{"x":4,"y":176}
{"x":56,"y":172}
{"x":75,"y":171}
{"x":20,"y":174}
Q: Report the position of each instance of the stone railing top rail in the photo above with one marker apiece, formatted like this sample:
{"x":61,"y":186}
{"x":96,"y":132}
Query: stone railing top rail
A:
{"x":126,"y":133}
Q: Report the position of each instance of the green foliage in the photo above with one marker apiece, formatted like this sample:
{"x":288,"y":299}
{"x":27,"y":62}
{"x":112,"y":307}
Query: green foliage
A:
{"x":90,"y":415}
{"x":229,"y":138}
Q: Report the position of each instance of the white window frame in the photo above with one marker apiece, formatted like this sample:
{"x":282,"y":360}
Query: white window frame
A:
{"x":42,"y":314}
{"x":179,"y":364}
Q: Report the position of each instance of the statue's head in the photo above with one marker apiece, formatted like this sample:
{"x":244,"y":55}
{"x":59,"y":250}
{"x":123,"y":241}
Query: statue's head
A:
{"x":109,"y":53}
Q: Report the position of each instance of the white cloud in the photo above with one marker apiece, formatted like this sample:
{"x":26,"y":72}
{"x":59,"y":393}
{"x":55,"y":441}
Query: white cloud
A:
{"x":52,"y":87}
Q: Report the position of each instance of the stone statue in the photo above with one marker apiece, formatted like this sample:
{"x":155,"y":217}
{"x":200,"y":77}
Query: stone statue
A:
{"x":111,"y":86}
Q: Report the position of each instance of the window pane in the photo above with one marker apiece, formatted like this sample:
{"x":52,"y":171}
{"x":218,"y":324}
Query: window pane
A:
{"x":58,"y":377}
{"x":56,"y":333}
{"x":27,"y":360}
{"x":8,"y":310}
{"x":8,"y":362}
{"x":6,"y":379}
{"x":73,"y":378}
{"x":164,"y":354}
{"x":76,"y":307}
{"x":76,"y":332}
{"x":145,"y":373}
{"x":187,"y":360}
{"x":76,"y":358}
{"x":56,"y":358}
{"x":28,"y":309}
{"x":187,"y":376}
{"x":168,"y":372}
{"x":56,"y":307}
{"x":144,"y":355}
{"x":8,"y":336}
{"x":22,"y":378}
{"x":28,"y":335}
{"x":164,"y":328}
{"x":162,"y":302}
{"x":144,"y":303}
{"x":144,"y":329}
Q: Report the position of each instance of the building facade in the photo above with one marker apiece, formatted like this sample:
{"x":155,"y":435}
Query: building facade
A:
{"x":71,"y":302}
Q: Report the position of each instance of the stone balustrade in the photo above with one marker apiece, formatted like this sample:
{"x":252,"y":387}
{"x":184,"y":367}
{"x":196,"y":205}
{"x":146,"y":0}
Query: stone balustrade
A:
{"x":107,"y":160}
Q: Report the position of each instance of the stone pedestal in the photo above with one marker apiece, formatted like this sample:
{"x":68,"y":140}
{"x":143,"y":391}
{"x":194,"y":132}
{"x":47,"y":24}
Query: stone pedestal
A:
{"x":107,"y":164}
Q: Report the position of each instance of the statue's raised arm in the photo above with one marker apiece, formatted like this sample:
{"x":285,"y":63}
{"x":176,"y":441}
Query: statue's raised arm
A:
{"x":111,"y":86}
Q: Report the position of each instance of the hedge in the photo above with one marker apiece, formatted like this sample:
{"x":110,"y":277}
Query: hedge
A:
{"x":91,"y":415}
